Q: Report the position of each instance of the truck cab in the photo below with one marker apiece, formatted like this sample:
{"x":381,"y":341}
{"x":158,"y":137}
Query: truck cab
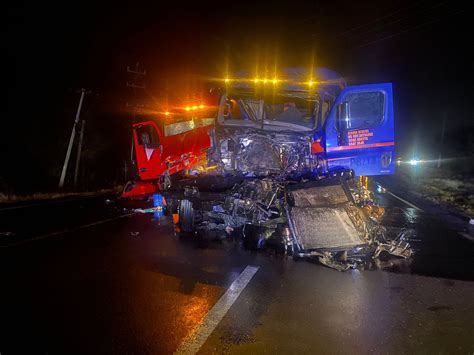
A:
{"x":345,"y":127}
{"x":167,"y":146}
{"x":166,"y":143}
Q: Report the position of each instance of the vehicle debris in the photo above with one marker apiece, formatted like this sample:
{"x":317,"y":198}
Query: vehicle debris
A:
{"x":149,"y":210}
{"x":158,"y":209}
{"x":335,"y":222}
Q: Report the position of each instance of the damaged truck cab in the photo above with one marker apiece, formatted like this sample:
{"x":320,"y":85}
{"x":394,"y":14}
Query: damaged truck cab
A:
{"x":170,"y":142}
{"x":298,"y":128}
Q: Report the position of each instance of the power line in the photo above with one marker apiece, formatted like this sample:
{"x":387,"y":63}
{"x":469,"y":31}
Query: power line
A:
{"x":377,"y":19}
{"x":344,"y":33}
{"x":404,"y":31}
{"x":376,"y":30}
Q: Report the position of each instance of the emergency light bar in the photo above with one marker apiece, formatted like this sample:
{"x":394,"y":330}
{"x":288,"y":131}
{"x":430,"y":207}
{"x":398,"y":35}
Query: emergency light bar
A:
{"x":193,"y":108}
{"x":273,"y":81}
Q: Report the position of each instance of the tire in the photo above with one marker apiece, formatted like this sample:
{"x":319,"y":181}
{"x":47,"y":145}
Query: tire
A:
{"x":186,"y":215}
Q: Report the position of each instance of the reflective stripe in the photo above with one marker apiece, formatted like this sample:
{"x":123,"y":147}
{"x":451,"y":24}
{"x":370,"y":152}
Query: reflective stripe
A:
{"x":343,"y":158}
{"x":360,"y":146}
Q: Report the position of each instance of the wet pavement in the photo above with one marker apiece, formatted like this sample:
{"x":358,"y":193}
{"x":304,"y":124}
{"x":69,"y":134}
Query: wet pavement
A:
{"x":97,"y":281}
{"x":439,"y":250}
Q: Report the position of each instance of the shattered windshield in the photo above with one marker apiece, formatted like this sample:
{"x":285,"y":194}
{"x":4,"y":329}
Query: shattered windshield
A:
{"x":286,"y":111}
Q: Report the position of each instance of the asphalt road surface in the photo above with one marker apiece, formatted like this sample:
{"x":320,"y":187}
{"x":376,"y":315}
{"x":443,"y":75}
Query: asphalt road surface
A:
{"x":85,"y":277}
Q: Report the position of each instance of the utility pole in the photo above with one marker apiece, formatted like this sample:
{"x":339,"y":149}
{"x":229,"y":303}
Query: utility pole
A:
{"x":71,"y":140}
{"x":138,"y":74}
{"x":79,"y":149}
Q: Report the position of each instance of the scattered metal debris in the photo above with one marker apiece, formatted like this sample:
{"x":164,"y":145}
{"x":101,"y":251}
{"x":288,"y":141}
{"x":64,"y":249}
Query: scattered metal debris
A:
{"x":335,"y":222}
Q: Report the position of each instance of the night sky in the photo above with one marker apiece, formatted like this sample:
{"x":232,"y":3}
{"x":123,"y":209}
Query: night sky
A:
{"x":52,"y":50}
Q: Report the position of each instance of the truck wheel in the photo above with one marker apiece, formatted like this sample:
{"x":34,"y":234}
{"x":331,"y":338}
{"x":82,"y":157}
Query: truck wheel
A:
{"x":186,"y":215}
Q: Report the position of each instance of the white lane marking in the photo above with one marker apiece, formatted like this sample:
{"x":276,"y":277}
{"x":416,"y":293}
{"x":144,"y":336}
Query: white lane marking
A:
{"x":405,"y":201}
{"x":49,"y":235}
{"x":18,"y":207}
{"x":401,"y":199}
{"x":467,"y":236}
{"x":198,"y":337}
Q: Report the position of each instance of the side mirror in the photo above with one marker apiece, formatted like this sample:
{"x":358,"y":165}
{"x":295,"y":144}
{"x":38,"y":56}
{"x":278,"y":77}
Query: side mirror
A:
{"x":343,"y":120}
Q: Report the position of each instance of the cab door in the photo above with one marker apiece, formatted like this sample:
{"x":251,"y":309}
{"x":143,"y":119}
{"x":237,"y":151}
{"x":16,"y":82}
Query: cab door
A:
{"x":359,"y":132}
{"x":148,"y":150}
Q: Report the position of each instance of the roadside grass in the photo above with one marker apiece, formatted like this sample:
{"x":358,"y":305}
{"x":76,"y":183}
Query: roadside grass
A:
{"x":450,"y":185}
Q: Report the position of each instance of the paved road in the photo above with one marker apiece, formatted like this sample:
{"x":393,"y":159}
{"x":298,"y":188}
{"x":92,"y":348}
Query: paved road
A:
{"x":89,"y":283}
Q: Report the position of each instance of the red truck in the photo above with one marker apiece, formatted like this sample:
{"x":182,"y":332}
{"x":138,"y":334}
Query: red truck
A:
{"x":168,"y":143}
